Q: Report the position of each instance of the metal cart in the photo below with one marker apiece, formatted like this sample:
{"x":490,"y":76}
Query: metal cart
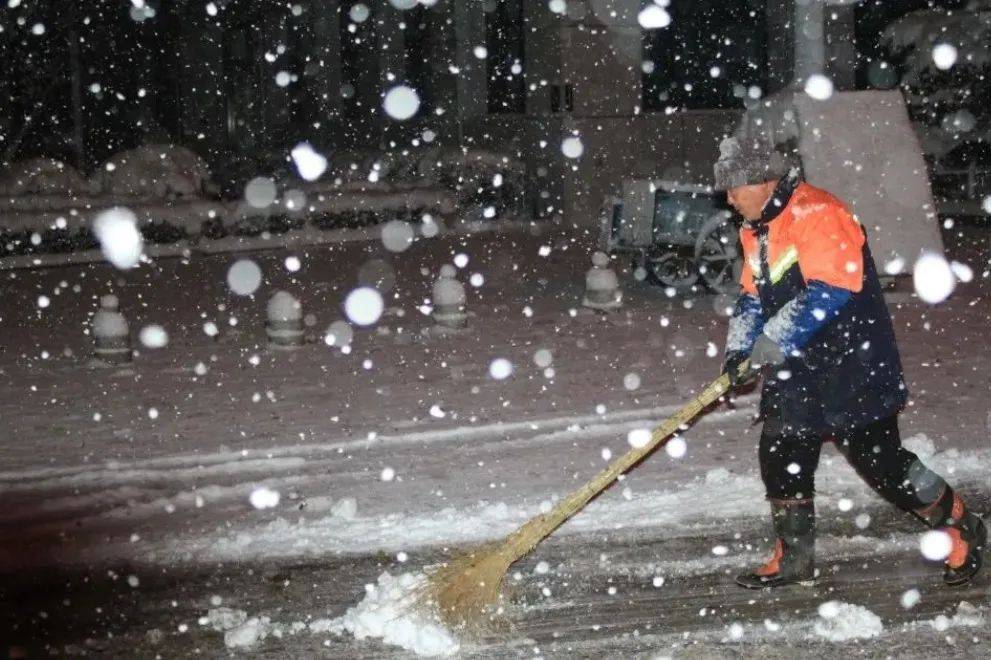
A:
{"x":683,"y":236}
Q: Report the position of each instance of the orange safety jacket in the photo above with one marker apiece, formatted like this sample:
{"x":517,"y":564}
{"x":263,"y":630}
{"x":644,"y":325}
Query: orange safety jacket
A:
{"x":810,"y":284}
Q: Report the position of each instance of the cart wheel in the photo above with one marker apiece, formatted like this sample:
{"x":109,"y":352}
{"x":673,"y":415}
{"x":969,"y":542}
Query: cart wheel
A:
{"x":717,"y":254}
{"x":674,"y":270}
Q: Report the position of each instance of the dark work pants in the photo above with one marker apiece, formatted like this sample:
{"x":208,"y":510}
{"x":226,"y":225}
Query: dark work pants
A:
{"x":788,"y":463}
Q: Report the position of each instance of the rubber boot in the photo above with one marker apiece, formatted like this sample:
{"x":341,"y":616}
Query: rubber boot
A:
{"x":968,"y":536}
{"x":794,"y":552}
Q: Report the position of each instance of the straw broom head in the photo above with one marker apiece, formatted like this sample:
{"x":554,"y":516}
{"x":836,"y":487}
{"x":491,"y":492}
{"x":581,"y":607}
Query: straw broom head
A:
{"x":464,"y":593}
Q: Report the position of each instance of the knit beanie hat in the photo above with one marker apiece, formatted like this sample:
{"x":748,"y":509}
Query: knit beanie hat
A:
{"x":749,"y":159}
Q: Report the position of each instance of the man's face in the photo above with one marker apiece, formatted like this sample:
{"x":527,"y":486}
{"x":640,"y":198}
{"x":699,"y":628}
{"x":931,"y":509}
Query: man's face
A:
{"x":749,"y":200}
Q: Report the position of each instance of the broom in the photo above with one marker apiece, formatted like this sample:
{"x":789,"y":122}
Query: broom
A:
{"x":464,"y":591}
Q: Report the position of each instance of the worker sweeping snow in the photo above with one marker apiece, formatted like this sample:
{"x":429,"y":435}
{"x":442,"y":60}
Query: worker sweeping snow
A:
{"x":812,"y":320}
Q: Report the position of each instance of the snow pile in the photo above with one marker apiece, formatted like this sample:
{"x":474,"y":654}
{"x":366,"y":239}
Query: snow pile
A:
{"x":967,"y":615}
{"x":250,"y":633}
{"x":240,"y":632}
{"x":840,"y":622}
{"x":224,"y":618}
{"x":386,"y":612}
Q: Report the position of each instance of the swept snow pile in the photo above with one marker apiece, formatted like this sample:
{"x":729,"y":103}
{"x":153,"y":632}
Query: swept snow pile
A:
{"x":240,"y":632}
{"x":840,"y":622}
{"x":386,"y":612}
{"x":250,"y":633}
{"x":224,"y":618}
{"x":967,"y":615}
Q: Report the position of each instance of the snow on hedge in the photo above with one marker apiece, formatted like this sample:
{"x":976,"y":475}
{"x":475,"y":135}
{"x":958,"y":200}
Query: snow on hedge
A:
{"x":153,"y":170}
{"x":42,"y":176}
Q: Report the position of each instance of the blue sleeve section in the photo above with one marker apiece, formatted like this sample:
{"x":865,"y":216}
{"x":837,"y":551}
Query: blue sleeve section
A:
{"x":745,"y":325}
{"x":793,"y":327}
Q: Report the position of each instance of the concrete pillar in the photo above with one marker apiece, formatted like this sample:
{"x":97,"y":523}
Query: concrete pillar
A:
{"x":542,"y":68}
{"x":389,"y":44}
{"x":810,"y":40}
{"x":203,"y":105}
{"x":841,"y":46}
{"x":808,"y":37}
{"x":469,"y":30}
{"x":601,"y":57}
{"x":327,"y":56}
{"x":780,"y":16}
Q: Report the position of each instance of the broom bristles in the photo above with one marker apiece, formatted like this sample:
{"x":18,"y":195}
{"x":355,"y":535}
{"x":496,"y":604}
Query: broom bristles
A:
{"x":465,"y":593}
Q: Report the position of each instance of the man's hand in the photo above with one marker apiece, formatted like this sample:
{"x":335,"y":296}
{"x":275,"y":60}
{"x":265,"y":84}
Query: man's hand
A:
{"x":766,"y":353}
{"x":731,"y":366}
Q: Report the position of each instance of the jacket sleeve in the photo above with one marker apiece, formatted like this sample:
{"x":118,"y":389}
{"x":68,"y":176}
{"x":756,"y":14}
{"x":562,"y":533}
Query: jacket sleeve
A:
{"x":830,"y":245}
{"x":804,"y":315}
{"x":745,"y":324}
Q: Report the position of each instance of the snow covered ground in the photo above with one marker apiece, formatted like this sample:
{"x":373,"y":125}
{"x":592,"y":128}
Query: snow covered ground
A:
{"x":127,"y":491}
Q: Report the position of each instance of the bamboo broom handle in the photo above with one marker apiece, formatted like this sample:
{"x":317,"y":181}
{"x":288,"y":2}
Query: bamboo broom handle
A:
{"x":523,"y":540}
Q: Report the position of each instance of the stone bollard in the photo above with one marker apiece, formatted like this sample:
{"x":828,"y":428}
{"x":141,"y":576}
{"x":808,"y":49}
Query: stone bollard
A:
{"x":284,"y":324}
{"x":449,"y":299}
{"x":111,"y":332}
{"x":601,"y":285}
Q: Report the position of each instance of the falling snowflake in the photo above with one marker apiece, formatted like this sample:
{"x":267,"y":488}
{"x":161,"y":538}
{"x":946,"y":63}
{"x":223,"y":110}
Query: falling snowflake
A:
{"x":819,"y":87}
{"x":500,"y":368}
{"x":264,"y":498}
{"x":364,"y":306}
{"x":572,"y":147}
{"x":944,"y":56}
{"x":310,"y":164}
{"x":933,"y":278}
{"x":401,"y":102}
{"x":244,"y":277}
{"x":120,"y":239}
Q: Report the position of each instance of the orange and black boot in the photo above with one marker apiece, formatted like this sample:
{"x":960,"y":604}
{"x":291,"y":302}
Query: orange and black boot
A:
{"x":968,"y":536}
{"x":794,"y":553}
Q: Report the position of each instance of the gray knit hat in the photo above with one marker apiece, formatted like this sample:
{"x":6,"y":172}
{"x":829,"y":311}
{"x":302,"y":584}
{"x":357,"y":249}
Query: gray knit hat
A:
{"x":749,"y":159}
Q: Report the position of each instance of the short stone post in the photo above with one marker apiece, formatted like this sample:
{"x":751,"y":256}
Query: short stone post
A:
{"x":111,"y":333}
{"x":601,"y":285}
{"x":449,"y":299}
{"x":284,"y":324}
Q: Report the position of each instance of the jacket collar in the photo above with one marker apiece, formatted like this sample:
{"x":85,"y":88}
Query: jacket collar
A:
{"x":778,"y":200}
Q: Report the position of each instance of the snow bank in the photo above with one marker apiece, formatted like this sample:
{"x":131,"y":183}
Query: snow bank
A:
{"x":840,"y":622}
{"x":386,"y":613}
